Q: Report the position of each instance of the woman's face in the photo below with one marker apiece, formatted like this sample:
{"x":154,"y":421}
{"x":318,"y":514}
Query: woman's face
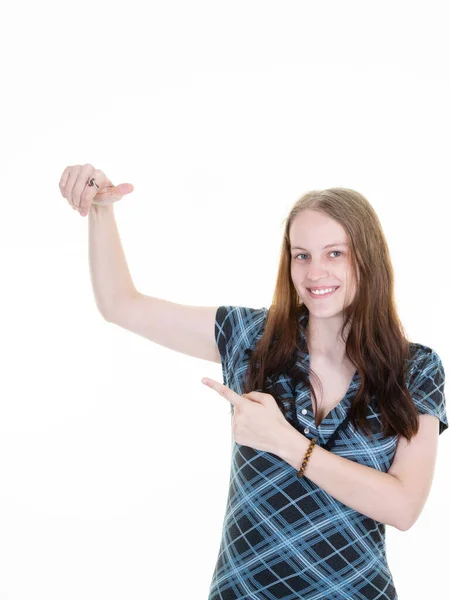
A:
{"x":320,"y":258}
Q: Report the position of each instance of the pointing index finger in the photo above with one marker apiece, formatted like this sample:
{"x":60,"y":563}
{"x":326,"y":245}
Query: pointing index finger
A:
{"x":224,"y":391}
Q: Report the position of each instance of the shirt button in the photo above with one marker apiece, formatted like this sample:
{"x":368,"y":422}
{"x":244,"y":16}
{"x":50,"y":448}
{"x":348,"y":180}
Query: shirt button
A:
{"x":306,"y":430}
{"x":304,"y":411}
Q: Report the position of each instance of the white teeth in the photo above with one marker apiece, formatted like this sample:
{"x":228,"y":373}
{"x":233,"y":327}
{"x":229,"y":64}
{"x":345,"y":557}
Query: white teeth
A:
{"x":321,"y":292}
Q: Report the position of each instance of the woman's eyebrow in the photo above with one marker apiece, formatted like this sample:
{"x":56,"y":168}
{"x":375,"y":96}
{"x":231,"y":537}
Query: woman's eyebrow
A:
{"x":328,"y":246}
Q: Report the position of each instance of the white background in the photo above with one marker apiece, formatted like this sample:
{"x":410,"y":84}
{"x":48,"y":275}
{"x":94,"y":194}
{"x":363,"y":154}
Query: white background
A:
{"x":114,"y":458}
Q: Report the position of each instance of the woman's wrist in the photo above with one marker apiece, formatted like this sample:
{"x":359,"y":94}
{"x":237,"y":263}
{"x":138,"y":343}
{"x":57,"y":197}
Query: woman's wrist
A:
{"x":293,"y":447}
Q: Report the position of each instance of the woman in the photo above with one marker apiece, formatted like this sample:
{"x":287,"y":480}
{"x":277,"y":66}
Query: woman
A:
{"x":378,"y":409}
{"x":336,"y":414}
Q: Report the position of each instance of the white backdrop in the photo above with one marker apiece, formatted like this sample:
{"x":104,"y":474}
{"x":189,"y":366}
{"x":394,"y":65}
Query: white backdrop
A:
{"x":114,"y":458}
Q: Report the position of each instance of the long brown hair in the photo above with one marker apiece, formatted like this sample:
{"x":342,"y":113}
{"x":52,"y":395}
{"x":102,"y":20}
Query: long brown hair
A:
{"x":376,"y":343}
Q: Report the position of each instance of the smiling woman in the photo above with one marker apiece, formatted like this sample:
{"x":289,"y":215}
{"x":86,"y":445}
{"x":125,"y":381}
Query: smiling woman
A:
{"x":381,"y":409}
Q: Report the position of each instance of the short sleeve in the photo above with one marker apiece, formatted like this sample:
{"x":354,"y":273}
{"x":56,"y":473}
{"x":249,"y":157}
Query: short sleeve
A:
{"x":236,"y":328}
{"x":222,"y":333}
{"x":428,"y":388}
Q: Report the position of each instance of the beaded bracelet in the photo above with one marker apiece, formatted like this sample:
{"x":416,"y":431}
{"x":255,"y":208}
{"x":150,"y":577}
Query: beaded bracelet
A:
{"x":301,"y":472}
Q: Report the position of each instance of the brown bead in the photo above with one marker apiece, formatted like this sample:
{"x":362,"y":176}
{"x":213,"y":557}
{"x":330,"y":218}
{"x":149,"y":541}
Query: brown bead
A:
{"x":301,"y":471}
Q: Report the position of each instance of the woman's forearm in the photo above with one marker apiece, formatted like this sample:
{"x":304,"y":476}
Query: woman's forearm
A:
{"x":110,"y":276}
{"x":373,"y":493}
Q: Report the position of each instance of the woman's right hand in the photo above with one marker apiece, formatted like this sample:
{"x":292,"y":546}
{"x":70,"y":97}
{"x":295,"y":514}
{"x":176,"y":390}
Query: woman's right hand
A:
{"x":80,"y":196}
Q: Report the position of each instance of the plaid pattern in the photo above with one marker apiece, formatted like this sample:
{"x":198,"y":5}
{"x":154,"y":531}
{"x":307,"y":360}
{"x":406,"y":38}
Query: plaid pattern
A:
{"x":285,"y":537}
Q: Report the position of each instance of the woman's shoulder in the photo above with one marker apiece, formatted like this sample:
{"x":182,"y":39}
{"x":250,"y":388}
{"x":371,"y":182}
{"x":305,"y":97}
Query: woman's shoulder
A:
{"x":238,"y":320}
{"x":425,"y":369}
{"x":420,"y":354}
{"x":238,"y":326}
{"x":426,"y":382}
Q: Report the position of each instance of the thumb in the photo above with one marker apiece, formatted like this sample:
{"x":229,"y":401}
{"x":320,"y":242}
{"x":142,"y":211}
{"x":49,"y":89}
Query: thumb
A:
{"x":124,"y":188}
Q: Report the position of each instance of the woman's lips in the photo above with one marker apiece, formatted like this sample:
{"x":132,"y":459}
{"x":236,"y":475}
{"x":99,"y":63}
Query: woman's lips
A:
{"x":320,"y":296}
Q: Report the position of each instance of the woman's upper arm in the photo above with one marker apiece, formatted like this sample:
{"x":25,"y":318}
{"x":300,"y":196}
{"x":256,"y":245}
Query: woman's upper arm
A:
{"x":180,"y":327}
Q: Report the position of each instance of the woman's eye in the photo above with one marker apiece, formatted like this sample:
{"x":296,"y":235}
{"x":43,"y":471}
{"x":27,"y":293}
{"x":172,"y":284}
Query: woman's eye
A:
{"x":332,"y":252}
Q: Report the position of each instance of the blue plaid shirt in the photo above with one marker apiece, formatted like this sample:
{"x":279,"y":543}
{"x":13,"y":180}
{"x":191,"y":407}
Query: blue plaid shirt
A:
{"x":285,"y":537}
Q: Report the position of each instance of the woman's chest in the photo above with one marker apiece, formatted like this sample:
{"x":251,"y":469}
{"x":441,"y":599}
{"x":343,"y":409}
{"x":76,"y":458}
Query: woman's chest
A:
{"x":333,"y":387}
